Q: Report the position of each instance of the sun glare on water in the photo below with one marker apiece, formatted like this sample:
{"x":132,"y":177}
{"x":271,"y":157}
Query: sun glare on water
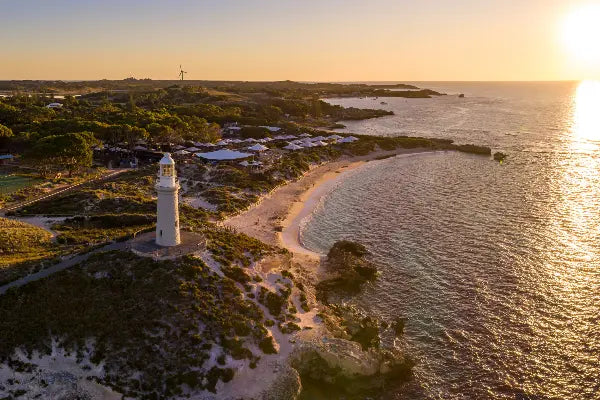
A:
{"x":581,"y":33}
{"x":587,"y":111}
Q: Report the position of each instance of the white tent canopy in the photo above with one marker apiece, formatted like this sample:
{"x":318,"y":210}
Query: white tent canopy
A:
{"x":182,"y":152}
{"x":334,"y":137}
{"x":192,"y":149}
{"x":292,"y":146}
{"x":224,"y":154}
{"x":258,"y":147}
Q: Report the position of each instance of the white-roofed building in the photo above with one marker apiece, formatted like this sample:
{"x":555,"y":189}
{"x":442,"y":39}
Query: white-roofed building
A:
{"x":292,"y":147}
{"x":258,"y":147}
{"x":223,"y":155}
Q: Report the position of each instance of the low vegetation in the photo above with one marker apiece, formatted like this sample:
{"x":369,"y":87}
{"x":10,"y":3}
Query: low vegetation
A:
{"x":20,"y":242}
{"x":132,"y":306}
{"x":101,"y":228}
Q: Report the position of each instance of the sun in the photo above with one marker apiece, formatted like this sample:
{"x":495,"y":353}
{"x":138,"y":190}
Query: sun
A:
{"x":581,"y":33}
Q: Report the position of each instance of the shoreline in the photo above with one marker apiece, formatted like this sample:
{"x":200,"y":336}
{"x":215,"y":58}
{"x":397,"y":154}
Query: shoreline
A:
{"x":276,"y":219}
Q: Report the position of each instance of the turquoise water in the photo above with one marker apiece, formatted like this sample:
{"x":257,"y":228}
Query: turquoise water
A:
{"x":497,"y":267}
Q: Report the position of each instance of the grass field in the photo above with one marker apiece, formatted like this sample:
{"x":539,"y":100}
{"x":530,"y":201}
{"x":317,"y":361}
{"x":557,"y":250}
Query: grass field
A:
{"x":12,"y":183}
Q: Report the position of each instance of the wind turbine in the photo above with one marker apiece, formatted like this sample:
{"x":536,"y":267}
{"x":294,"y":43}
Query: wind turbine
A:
{"x":181,"y":72}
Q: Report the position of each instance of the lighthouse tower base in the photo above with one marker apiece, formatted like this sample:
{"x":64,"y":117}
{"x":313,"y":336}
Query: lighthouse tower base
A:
{"x":144,"y":245}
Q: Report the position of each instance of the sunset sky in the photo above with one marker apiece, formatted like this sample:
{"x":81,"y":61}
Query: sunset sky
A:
{"x":310,"y":40}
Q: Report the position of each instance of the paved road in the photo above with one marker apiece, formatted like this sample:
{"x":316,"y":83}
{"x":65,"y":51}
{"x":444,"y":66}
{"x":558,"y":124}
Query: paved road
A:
{"x":64,"y":264}
{"x":62,"y":191}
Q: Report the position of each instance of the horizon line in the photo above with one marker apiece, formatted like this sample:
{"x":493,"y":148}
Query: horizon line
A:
{"x":304,"y":81}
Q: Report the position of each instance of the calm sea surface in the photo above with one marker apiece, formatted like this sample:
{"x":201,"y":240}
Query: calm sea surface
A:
{"x":496,"y":267}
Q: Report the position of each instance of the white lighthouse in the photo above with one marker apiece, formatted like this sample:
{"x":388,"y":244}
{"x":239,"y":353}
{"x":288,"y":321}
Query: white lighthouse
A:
{"x":167,"y":206}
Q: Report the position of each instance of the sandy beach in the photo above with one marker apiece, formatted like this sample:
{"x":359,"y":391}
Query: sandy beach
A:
{"x":277,"y":217}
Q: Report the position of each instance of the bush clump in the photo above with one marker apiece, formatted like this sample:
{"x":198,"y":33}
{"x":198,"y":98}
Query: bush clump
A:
{"x":267,"y":346}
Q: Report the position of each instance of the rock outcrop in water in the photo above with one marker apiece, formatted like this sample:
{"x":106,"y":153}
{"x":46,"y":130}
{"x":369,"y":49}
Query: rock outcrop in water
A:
{"x":345,"y":369}
{"x":347,"y":261}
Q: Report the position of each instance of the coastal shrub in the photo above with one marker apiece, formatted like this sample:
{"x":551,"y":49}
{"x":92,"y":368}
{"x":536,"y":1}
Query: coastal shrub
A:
{"x":230,"y":247}
{"x":236,"y":273}
{"x":274,"y":303}
{"x":267,"y":346}
{"x":289,"y":327}
{"x":101,"y":228}
{"x":228,"y":199}
{"x":235,"y":347}
{"x":221,"y":359}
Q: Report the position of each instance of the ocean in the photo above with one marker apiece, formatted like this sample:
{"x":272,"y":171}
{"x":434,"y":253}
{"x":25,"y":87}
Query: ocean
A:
{"x":495,"y":266}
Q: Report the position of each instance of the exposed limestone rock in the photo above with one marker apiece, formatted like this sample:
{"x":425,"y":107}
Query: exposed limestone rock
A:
{"x":286,"y":387}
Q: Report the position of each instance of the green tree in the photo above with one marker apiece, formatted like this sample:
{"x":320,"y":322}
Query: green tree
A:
{"x":272,"y":113}
{"x":70,"y":152}
{"x":255,"y":132}
{"x":5,"y":131}
{"x":8,"y":114}
{"x":317,"y":110}
{"x":131,"y":103}
{"x":162,"y":133}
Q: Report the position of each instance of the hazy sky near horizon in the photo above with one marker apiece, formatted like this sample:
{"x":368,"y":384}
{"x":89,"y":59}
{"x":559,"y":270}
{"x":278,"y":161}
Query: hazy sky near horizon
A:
{"x":310,"y":40}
